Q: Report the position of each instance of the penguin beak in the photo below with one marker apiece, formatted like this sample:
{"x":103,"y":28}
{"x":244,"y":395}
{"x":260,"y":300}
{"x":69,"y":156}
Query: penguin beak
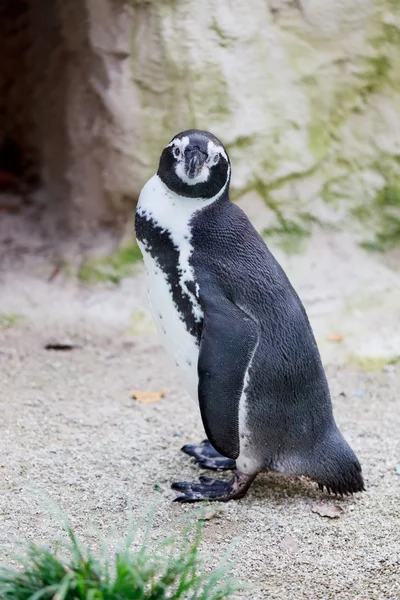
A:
{"x":194,"y":162}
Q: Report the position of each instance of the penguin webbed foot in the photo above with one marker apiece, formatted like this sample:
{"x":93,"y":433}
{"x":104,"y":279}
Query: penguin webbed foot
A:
{"x":213,"y":489}
{"x":208,"y":457}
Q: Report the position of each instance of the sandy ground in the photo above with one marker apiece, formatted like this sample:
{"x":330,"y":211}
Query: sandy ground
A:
{"x":70,"y":433}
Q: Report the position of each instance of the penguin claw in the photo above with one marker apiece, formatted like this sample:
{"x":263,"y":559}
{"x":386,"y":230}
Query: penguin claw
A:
{"x":213,"y":489}
{"x":209,"y":458}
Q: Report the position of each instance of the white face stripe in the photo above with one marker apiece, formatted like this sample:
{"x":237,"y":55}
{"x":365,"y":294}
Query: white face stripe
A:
{"x":180,"y":143}
{"x":212,"y":148}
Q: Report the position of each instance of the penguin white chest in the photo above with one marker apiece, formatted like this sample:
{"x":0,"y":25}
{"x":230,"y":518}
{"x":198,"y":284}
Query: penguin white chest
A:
{"x":178,"y":341}
{"x":168,"y":214}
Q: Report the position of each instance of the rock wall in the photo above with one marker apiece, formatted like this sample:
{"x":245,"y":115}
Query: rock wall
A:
{"x":306,"y":96}
{"x":84,"y":111}
{"x":67,"y":103}
{"x":304,"y":93}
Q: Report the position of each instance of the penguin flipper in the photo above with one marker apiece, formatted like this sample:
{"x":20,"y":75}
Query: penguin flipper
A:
{"x":229,"y":338}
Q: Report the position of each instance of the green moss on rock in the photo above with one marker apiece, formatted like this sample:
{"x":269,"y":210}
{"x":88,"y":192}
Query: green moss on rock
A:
{"x":112,"y":268}
{"x":318,"y":139}
{"x":287,"y":234}
{"x":386,"y":208}
{"x":208,"y":95}
{"x":242,"y":143}
{"x":224,"y":40}
{"x":342,"y":84}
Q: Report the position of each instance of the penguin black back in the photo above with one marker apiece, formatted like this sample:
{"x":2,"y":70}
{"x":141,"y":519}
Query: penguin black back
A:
{"x":290,"y":401}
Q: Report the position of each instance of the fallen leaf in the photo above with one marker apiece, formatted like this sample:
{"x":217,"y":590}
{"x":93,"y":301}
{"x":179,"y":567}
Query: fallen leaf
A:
{"x":333,"y":511}
{"x":288,"y":544}
{"x":147,"y":397}
{"x":335,"y":337}
{"x":62,"y":345}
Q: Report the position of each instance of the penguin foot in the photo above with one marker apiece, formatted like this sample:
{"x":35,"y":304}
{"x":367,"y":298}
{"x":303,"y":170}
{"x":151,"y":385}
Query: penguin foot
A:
{"x":208,"y":457}
{"x":212,"y":489}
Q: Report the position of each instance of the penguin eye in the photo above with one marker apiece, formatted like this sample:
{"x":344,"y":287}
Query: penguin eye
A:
{"x":216,"y":159}
{"x":177,"y":152}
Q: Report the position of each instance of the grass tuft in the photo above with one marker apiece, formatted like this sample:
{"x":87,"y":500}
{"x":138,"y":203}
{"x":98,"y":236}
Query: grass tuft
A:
{"x":172,"y":572}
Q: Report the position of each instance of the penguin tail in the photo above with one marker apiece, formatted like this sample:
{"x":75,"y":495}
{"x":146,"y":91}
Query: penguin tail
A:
{"x":334,"y":466}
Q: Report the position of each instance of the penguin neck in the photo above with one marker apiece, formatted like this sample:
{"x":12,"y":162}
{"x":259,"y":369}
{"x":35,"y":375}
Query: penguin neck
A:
{"x":167,"y":209}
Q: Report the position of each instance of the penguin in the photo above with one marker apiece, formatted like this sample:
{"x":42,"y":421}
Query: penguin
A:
{"x":236,"y":330}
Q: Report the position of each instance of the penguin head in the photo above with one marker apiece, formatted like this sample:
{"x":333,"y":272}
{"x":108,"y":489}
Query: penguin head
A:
{"x":195,"y":164}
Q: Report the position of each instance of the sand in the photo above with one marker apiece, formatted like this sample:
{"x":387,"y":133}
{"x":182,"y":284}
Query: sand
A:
{"x":71,"y":434}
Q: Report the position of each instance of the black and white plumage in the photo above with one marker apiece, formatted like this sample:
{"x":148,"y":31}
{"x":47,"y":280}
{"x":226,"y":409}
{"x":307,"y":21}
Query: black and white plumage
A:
{"x":236,"y":329}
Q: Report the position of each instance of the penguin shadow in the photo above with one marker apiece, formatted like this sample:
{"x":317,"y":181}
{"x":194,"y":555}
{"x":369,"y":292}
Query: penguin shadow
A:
{"x":277,"y":487}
